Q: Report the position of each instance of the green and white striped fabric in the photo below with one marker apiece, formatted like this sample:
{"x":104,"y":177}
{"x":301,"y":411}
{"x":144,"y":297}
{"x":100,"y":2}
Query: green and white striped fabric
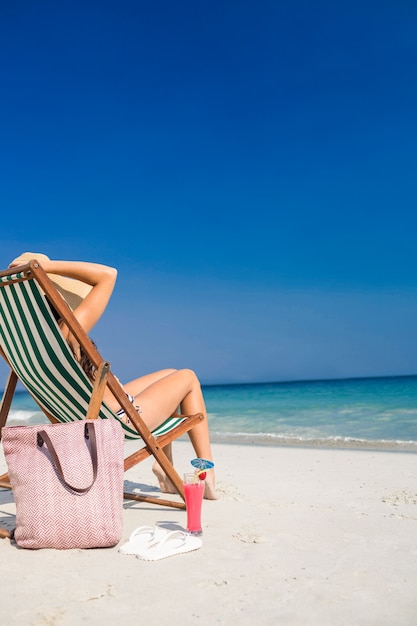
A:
{"x":40,"y":356}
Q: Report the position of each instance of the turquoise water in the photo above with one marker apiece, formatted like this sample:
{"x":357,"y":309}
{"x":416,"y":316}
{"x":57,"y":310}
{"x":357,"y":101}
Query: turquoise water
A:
{"x":380,"y":412}
{"x":364,"y":412}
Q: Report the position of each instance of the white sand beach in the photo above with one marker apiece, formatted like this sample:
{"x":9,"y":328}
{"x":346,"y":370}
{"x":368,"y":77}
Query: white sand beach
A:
{"x":300,"y":536}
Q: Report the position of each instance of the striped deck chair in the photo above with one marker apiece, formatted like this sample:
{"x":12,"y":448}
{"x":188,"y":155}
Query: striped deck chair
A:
{"x":38,"y":355}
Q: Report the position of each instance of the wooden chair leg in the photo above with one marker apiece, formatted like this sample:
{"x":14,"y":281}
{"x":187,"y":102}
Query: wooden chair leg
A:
{"x":7,"y":398}
{"x":98,"y":391}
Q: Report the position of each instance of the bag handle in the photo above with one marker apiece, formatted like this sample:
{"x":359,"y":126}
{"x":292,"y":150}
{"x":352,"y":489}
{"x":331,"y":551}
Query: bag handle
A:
{"x":89,"y":433}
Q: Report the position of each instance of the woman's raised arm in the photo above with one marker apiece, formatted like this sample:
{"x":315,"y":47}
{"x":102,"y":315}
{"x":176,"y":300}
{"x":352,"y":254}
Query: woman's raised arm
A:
{"x":102,"y":278}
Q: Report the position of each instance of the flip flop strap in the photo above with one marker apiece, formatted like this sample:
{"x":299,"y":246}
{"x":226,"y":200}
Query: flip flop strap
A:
{"x":170,"y":535}
{"x":140,"y":530}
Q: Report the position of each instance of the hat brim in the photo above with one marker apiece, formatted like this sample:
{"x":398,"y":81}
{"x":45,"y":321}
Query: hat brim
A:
{"x":73,"y":291}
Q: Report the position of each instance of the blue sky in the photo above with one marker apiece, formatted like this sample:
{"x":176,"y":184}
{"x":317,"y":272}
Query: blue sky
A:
{"x":249,"y":167}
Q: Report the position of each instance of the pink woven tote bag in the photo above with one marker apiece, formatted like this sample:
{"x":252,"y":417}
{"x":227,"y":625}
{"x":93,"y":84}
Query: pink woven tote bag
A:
{"x":67,"y":482}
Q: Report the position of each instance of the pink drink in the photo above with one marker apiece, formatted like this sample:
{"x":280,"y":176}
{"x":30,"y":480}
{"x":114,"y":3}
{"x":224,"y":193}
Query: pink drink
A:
{"x":193,"y":492}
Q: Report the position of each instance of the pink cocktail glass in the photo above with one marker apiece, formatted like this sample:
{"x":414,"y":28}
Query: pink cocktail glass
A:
{"x":193,"y":493}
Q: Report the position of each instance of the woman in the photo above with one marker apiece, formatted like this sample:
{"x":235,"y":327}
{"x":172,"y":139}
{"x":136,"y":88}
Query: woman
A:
{"x":156,"y":396}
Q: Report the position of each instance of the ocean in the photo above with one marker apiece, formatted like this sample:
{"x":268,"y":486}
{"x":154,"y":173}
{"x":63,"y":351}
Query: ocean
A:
{"x":371,"y":413}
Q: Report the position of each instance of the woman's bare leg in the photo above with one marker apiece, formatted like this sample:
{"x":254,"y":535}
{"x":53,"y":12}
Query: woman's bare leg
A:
{"x":135,"y":387}
{"x":161,"y":398}
{"x":165,"y":484}
{"x":200,"y":436}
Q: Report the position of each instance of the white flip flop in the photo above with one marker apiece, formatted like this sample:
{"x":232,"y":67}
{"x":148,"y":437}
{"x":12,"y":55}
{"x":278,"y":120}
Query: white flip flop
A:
{"x":140,"y":538}
{"x":175,"y":542}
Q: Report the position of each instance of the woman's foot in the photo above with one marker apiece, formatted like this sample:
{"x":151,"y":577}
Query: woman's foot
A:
{"x":165,"y":484}
{"x":210,"y":487}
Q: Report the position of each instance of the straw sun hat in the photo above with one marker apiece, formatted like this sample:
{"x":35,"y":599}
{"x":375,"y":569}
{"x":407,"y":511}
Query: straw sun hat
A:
{"x":73,"y":291}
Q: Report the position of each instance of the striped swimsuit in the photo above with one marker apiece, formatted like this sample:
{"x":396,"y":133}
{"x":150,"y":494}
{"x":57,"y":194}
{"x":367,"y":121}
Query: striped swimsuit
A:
{"x":121,"y":412}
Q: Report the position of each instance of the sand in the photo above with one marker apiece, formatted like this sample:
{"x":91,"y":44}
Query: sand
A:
{"x":300,"y":536}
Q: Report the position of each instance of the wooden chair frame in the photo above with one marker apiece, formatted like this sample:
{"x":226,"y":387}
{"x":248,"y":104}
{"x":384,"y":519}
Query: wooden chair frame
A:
{"x":152,"y":445}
